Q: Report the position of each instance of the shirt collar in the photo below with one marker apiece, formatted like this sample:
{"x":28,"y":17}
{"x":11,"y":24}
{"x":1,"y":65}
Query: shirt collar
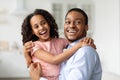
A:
{"x":73,"y":43}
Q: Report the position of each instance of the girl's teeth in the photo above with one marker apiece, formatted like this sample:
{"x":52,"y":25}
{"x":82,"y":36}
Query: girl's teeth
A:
{"x":42,"y":32}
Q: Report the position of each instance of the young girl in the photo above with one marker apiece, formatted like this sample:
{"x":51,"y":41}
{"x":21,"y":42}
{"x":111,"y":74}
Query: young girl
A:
{"x":41,"y":28}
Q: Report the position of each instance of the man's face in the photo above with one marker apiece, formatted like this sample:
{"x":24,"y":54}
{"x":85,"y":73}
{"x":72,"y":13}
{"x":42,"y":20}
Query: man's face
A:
{"x":74,"y":26}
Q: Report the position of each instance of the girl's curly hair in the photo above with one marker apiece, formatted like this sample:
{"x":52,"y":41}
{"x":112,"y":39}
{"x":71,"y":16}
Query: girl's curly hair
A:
{"x":27,"y":30}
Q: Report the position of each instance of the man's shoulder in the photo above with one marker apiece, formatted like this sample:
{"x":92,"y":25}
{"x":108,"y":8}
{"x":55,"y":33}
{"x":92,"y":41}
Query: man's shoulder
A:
{"x":87,"y":53}
{"x":87,"y":50}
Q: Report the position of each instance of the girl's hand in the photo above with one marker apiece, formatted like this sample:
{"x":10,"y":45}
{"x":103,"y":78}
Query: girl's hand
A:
{"x":28,"y":46}
{"x":87,"y":41}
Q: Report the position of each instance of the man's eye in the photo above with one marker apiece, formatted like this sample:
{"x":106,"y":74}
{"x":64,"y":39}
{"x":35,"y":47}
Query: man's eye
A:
{"x":67,"y":22}
{"x":77,"y":22}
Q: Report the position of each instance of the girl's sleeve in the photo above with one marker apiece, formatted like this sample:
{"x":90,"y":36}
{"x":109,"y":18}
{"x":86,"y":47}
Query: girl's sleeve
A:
{"x":36,"y":47}
{"x":64,"y":42}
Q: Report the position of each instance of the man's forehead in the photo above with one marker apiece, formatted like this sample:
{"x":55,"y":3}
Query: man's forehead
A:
{"x":74,"y":15}
{"x":74,"y":18}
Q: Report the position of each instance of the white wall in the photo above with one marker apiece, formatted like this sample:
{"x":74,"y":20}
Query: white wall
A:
{"x":107,"y":34}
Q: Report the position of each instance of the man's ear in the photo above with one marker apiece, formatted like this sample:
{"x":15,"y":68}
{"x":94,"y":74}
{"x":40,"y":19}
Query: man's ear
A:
{"x":86,"y":27}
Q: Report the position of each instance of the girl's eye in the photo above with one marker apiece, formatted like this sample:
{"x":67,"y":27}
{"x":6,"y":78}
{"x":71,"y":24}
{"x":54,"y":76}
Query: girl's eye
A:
{"x":35,"y":26}
{"x":43,"y":22}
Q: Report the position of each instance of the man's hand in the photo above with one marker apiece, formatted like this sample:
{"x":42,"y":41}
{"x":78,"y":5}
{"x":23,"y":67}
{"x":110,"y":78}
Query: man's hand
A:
{"x":35,"y":71}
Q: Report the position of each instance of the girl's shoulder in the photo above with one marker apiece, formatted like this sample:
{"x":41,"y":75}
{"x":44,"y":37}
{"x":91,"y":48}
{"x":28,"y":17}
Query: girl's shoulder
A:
{"x":36,"y":42}
{"x":60,"y":41}
{"x":40,"y":43}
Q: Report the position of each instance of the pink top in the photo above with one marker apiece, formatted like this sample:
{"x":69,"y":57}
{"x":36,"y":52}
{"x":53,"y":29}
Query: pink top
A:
{"x":54,"y":46}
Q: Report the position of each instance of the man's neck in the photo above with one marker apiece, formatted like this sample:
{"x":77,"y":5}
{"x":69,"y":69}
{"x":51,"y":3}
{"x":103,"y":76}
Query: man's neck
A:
{"x":71,"y":41}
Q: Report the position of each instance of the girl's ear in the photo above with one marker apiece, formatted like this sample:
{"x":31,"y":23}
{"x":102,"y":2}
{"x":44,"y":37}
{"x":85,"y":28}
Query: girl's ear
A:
{"x":33,"y":33}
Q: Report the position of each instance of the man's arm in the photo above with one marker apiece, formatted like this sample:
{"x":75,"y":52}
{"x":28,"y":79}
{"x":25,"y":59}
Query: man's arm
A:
{"x":83,"y":66}
{"x":35,"y":71}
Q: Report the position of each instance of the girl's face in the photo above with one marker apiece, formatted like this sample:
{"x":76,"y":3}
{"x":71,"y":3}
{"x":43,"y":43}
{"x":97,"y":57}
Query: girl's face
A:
{"x":40,"y":27}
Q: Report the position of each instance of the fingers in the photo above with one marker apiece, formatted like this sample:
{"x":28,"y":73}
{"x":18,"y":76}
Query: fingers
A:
{"x":28,"y":46}
{"x":35,"y":66}
{"x":94,"y":46}
{"x":35,"y":71}
{"x":88,"y":40}
{"x":31,"y":66}
{"x":39,"y":68}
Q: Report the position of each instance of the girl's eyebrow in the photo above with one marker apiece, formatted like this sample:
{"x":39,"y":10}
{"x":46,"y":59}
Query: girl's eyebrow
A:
{"x":42,"y":20}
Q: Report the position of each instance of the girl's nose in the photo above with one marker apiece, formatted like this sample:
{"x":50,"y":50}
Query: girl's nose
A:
{"x":40,"y":27}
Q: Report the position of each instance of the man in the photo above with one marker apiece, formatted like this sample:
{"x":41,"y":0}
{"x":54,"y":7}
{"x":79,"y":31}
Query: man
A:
{"x":85,"y":63}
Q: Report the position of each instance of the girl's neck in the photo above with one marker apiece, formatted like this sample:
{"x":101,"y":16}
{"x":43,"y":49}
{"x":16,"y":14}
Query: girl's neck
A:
{"x":45,"y":40}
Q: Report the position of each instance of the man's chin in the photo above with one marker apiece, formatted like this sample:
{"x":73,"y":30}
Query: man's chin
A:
{"x":71,"y":39}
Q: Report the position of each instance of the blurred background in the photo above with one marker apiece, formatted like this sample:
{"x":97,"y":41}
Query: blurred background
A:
{"x":104,"y":28}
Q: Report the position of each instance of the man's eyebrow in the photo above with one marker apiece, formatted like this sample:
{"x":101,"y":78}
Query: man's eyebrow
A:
{"x":66,"y":18}
{"x":78,"y":19}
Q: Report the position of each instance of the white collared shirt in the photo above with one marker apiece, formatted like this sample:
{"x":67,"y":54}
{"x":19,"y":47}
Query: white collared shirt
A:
{"x":83,"y":65}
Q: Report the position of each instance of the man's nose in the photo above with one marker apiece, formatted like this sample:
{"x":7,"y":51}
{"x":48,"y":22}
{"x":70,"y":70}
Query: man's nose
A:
{"x":72,"y":25}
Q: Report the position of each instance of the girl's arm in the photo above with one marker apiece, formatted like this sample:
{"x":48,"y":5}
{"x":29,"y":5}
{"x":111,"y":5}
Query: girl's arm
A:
{"x":27,"y":49}
{"x":57,"y":59}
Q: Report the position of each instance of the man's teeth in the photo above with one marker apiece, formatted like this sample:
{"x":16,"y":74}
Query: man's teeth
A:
{"x":71,"y":31}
